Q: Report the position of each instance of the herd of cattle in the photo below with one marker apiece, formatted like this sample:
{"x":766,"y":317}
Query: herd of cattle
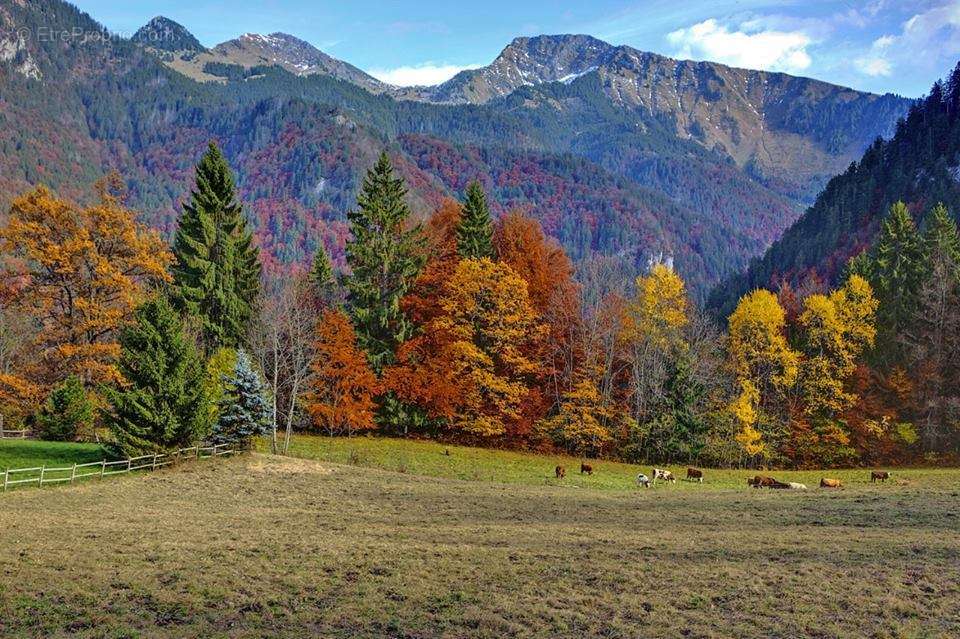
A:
{"x":759,"y":481}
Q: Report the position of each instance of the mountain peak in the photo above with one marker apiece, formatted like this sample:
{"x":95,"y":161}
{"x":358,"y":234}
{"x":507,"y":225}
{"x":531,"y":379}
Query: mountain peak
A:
{"x":527,"y":61}
{"x":167,"y":35}
{"x":293,"y":54}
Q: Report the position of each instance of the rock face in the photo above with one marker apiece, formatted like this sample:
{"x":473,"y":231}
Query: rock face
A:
{"x":164,"y":34}
{"x":248,"y":51}
{"x":778,"y":126}
{"x":525,"y":62}
{"x":294,"y":55}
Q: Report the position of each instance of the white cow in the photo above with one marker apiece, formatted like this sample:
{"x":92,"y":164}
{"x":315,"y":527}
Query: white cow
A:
{"x":665,"y":475}
{"x":794,"y":485}
{"x":643,"y":480}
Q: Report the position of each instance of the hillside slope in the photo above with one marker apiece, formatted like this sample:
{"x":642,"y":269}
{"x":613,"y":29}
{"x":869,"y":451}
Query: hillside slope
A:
{"x":919,"y":165}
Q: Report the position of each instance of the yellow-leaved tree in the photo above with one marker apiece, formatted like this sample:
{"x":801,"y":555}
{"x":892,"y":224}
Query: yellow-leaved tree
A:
{"x":582,"y":423}
{"x":78,"y":273}
{"x":836,"y":329}
{"x":490,"y":324}
{"x":765,"y":366}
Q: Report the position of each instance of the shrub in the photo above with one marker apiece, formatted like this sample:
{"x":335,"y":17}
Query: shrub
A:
{"x":67,"y":413}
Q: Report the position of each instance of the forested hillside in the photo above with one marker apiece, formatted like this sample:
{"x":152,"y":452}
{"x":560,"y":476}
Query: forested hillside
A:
{"x":608,"y":175}
{"x":919,"y":166}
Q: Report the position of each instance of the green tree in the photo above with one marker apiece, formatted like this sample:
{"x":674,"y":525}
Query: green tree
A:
{"x":217,"y":269}
{"x":163,"y":403}
{"x":385,"y":257}
{"x":475,"y":229}
{"x":322,"y":277}
{"x":67,"y":413}
{"x":244,"y":408}
{"x":896,"y":272}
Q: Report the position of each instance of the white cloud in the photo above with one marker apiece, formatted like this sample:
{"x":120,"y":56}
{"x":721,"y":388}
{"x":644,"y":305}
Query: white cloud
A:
{"x":426,"y":74}
{"x":926,"y":41}
{"x":748,"y":46}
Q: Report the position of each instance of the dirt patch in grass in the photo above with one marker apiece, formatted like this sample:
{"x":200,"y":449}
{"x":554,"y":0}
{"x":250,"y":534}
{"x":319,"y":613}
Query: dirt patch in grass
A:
{"x":258,"y":546}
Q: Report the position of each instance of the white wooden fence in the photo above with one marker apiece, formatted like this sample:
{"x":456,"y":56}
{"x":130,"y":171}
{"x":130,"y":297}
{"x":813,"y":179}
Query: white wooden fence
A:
{"x":43,"y":476}
{"x":13,"y":434}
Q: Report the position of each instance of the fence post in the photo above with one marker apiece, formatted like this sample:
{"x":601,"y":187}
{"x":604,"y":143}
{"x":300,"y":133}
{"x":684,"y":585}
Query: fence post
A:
{"x":103,"y":467}
{"x":73,"y":473}
{"x":6,"y":478}
{"x":154,"y":461}
{"x":43,"y":469}
{"x":129,"y":464}
{"x":198,"y":451}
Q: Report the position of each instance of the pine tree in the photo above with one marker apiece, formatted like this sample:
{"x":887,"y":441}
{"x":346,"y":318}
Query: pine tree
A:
{"x":475,"y":230}
{"x":217,"y":269}
{"x":67,"y":413}
{"x":896,"y":273}
{"x":933,"y":339}
{"x":322,"y":277}
{"x":163,"y":404}
{"x":384,"y":258}
{"x":244,"y":409}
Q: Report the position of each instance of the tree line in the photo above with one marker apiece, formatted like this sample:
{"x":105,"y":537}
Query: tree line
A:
{"x":462,"y":328}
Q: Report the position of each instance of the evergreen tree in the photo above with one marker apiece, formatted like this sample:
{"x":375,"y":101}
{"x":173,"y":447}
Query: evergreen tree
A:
{"x":244,"y":409}
{"x":322,"y":277}
{"x":475,"y":230}
{"x":217,"y":269}
{"x":933,"y":339}
{"x":67,"y":412}
{"x":163,"y":404}
{"x":384,"y":258}
{"x":896,"y":273}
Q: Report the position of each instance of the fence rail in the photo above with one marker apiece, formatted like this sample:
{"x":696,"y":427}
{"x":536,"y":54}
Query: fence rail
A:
{"x":44,"y":475}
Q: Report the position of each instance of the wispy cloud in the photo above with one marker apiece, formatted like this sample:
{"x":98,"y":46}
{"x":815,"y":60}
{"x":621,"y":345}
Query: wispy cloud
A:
{"x":426,"y":74}
{"x":746,"y":45}
{"x":927,"y":40}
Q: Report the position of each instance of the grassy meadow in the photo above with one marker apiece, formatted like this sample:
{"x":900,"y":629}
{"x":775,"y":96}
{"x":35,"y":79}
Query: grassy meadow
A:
{"x":259,"y":545}
{"x":510,"y":467}
{"x":28,"y":453}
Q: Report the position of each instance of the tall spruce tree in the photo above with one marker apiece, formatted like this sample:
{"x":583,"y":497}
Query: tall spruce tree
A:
{"x":933,"y":338}
{"x":385,"y":257}
{"x":244,"y":409}
{"x":895,"y":270}
{"x":475,"y":230}
{"x":322,"y":277}
{"x":217,"y":269}
{"x":163,"y":404}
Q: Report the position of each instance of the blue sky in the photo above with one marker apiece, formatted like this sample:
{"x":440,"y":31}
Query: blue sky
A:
{"x":875,"y":45}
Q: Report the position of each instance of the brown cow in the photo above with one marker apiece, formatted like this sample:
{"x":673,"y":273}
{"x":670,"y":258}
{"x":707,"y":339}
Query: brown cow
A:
{"x":561,"y":472}
{"x":882,"y":475}
{"x":831,"y":483}
{"x":761,"y":481}
{"x":586,"y":468}
{"x":695,"y":474}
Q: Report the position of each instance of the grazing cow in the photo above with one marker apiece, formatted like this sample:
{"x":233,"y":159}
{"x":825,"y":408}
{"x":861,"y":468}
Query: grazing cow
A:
{"x":561,"y":472}
{"x":695,"y":474}
{"x":881,"y":475}
{"x":796,"y":486}
{"x":586,"y":468}
{"x":643,"y":480}
{"x":665,"y":475}
{"x":763,"y":482}
{"x":831,"y":483}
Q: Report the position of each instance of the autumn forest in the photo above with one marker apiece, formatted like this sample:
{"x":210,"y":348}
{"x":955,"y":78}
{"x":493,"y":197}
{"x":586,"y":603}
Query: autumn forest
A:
{"x":465,"y":329}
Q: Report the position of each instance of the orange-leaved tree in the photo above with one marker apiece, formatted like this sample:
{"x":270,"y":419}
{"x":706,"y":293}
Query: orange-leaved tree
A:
{"x":491,"y":324}
{"x":80,"y":272}
{"x":341,"y":399}
{"x":519,"y":242}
